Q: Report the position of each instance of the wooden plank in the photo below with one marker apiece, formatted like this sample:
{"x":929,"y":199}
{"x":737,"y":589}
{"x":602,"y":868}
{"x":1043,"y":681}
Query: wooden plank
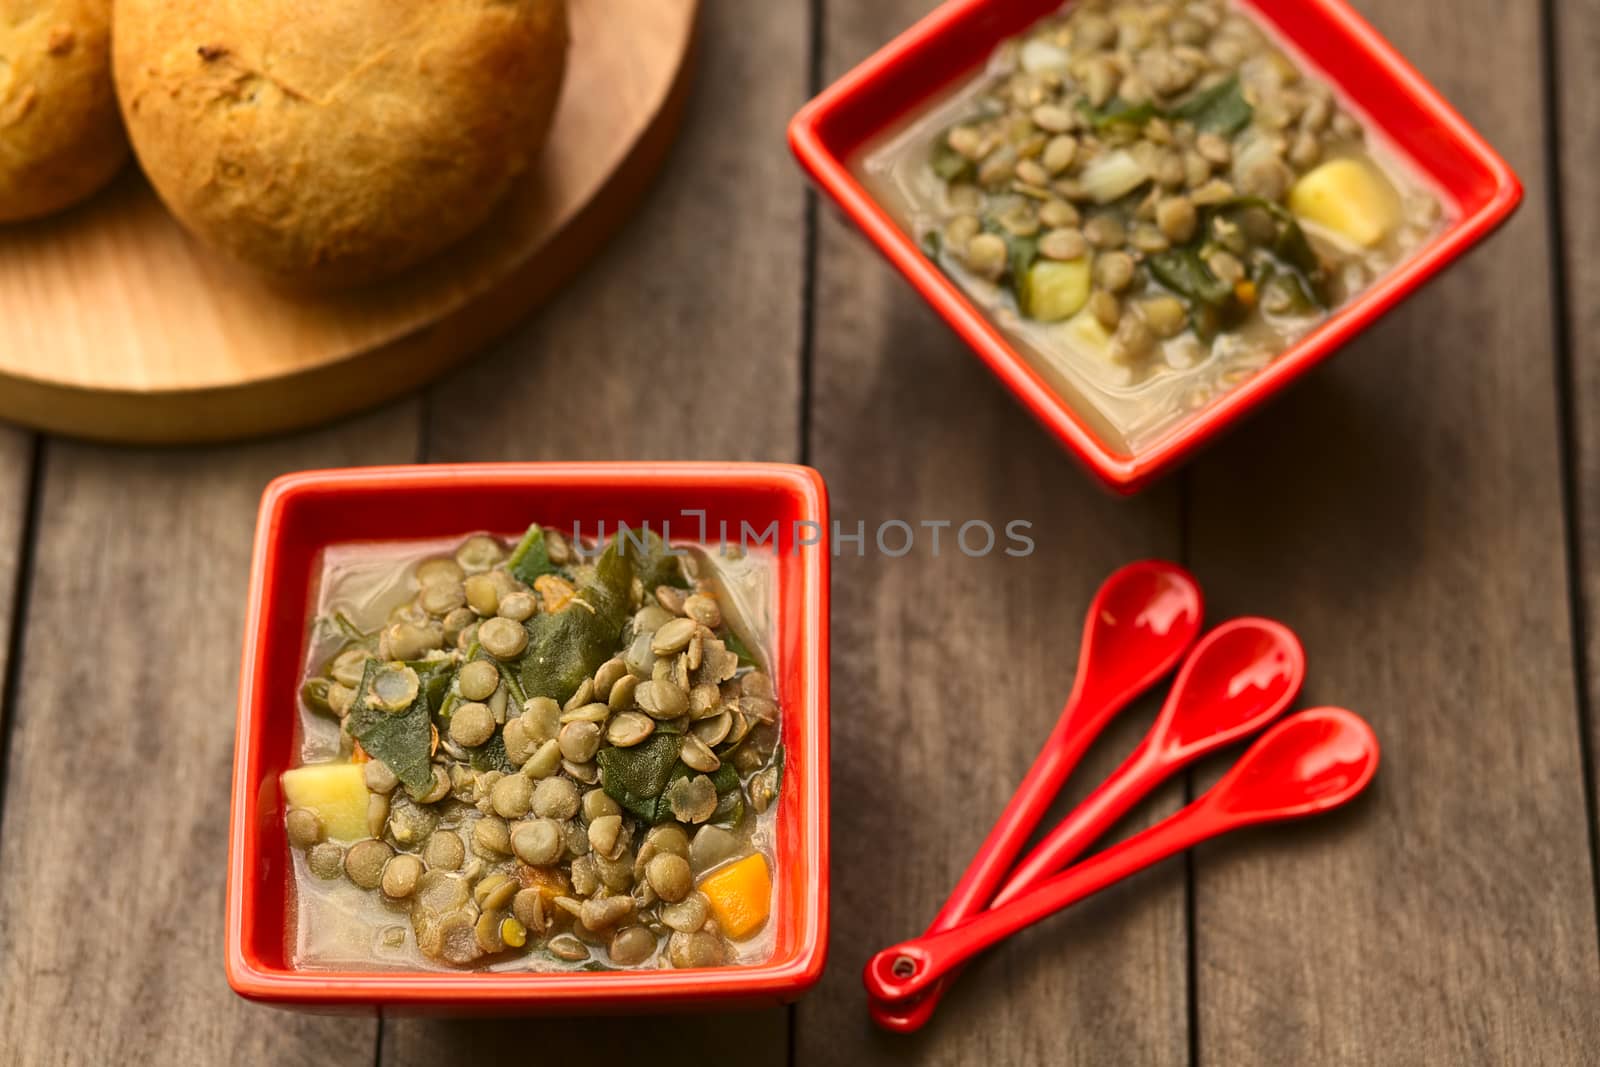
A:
{"x":681,"y":340}
{"x":949,"y":671}
{"x":1403,"y":511}
{"x":16,"y":473}
{"x":114,"y":835}
{"x":1574,"y":88}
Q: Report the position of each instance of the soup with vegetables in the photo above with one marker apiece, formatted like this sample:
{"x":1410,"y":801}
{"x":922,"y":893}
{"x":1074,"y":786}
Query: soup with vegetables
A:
{"x":1153,"y":200}
{"x":555,"y":754}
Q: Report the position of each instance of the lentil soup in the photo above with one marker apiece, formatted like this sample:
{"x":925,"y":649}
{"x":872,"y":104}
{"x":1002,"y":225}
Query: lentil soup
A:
{"x":1152,"y":200}
{"x":535,"y":755}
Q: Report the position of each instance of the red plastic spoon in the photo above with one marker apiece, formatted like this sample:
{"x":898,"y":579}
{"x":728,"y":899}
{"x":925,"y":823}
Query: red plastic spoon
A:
{"x":1240,"y":677}
{"x":1141,"y":622}
{"x":1310,"y":762}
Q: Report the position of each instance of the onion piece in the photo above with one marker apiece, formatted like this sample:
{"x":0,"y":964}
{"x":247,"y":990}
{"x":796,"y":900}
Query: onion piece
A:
{"x":1113,"y":176}
{"x":1038,"y":57}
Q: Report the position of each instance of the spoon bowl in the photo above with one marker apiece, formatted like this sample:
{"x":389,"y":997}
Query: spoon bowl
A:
{"x":1309,"y":763}
{"x":1240,"y":677}
{"x":1144,"y":617}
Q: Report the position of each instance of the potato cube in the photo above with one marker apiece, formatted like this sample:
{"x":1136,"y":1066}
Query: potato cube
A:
{"x":1349,"y":197}
{"x":337,"y":792}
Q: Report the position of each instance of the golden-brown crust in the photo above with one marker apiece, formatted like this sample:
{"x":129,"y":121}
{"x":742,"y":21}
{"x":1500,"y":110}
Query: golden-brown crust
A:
{"x":60,"y":134}
{"x":334,"y":143}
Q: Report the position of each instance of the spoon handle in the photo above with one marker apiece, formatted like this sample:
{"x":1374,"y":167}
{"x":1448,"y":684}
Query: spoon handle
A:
{"x":1080,"y":723}
{"x":1138,"y":775}
{"x":924,"y":960}
{"x":1136,"y":778}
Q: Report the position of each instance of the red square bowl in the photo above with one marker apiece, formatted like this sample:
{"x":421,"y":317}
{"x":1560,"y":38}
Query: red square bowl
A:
{"x":303,"y":513}
{"x":951,"y":45}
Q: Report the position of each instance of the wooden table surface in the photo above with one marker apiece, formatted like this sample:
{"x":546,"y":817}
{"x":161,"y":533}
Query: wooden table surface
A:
{"x":1421,"y":510}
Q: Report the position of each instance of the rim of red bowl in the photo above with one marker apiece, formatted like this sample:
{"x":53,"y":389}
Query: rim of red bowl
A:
{"x":775,"y":981}
{"x":814,"y":145}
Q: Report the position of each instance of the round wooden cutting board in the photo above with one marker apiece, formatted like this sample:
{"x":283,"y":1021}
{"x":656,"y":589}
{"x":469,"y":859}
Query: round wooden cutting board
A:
{"x":116,"y":325}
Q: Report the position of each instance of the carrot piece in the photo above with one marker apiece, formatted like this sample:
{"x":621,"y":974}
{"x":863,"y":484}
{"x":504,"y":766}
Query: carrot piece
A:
{"x":740,"y":896}
{"x":549,"y":882}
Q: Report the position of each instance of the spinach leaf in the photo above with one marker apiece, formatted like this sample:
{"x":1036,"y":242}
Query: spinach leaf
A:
{"x":725,"y":780}
{"x":652,"y":561}
{"x":434,"y":678}
{"x":1220,"y":109}
{"x":338,"y":625}
{"x":1297,"y":297}
{"x":531,"y":559}
{"x":1185,"y":273}
{"x":566,"y":647}
{"x":1291,"y":254}
{"x":740,"y":649}
{"x":637,"y":777}
{"x":729,"y":812}
{"x":1020,"y":254}
{"x":1213,"y":304}
{"x":513,"y":684}
{"x":1023,"y":251}
{"x":1117,"y":112}
{"x":352,"y":633}
{"x":403,"y":740}
{"x":491,"y":756}
{"x":663,"y":809}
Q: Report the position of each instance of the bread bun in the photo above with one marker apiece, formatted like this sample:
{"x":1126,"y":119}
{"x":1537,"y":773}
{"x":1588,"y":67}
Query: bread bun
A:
{"x":336,"y":142}
{"x":60,"y":134}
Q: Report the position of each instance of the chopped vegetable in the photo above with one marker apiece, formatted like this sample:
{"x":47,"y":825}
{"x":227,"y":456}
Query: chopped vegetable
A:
{"x":652,"y":558}
{"x":1184,"y":272}
{"x":740,"y":896}
{"x":1350,"y":198}
{"x":1220,"y":109}
{"x":729,"y":812}
{"x":565,"y":647}
{"x":1040,"y":57}
{"x":403,"y":740}
{"x":637,"y":777}
{"x":1113,"y":176}
{"x":351,"y":632}
{"x":1055,"y":290}
{"x":336,"y":792}
{"x":1280,"y":244}
{"x":1118,"y":112}
{"x":531,"y":558}
{"x":548,"y":882}
{"x":491,"y":756}
{"x":737,"y":646}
